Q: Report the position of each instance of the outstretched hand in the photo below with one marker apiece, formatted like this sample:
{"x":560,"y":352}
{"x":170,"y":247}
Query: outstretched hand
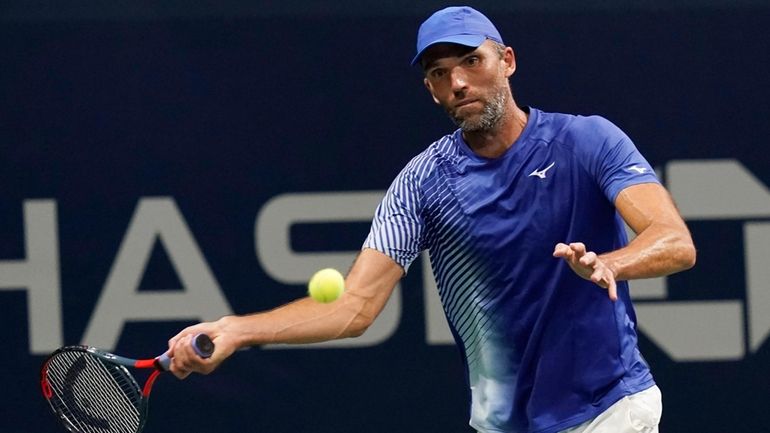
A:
{"x":588,"y":266}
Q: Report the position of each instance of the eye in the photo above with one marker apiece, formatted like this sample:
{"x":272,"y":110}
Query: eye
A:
{"x":472,"y":60}
{"x":436,"y":73}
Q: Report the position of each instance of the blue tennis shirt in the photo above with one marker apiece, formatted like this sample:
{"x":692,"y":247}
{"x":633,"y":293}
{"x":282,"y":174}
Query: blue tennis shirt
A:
{"x":544,"y":350}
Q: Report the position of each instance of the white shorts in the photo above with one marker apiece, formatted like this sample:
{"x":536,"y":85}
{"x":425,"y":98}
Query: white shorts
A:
{"x":636,"y":413}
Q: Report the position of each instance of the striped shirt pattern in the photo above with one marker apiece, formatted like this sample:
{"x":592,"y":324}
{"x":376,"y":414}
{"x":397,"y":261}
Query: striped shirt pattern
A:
{"x":490,"y":227}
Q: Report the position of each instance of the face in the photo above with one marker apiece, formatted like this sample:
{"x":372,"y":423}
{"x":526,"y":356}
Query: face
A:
{"x":471,"y":84}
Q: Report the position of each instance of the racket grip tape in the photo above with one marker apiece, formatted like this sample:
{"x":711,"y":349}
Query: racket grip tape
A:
{"x":201,"y":344}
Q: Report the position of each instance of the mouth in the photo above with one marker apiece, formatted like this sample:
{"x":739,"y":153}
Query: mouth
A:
{"x":465,"y":103}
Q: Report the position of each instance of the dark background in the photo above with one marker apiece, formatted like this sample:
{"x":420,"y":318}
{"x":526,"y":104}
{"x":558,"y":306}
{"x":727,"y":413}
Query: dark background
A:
{"x":225,"y":105}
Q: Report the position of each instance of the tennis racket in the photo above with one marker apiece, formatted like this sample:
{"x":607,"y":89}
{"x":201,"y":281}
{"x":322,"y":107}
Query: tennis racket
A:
{"x":92,"y":391}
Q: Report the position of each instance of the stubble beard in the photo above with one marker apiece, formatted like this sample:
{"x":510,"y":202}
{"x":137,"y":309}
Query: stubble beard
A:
{"x":490,"y":116}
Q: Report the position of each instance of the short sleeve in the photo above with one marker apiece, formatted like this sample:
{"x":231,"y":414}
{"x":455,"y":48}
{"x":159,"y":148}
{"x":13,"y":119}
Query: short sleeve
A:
{"x":397,"y":228}
{"x":613,"y":159}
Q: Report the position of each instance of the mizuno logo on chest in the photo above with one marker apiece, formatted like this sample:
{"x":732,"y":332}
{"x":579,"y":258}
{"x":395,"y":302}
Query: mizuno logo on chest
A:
{"x":541,"y":173}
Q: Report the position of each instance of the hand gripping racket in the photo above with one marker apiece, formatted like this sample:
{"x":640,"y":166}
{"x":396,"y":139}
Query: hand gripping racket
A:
{"x":92,"y":391}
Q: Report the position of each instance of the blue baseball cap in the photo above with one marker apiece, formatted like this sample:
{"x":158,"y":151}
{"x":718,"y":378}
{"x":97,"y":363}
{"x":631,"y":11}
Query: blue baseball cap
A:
{"x":458,"y":25}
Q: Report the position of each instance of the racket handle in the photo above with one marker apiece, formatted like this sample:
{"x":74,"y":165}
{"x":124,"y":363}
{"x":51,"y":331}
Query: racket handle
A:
{"x":201,"y":344}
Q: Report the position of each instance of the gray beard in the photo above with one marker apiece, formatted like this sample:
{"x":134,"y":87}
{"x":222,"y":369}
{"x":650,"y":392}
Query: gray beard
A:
{"x":490,"y":116}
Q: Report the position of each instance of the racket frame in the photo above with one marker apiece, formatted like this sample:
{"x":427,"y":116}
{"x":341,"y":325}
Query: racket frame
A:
{"x":117,"y":361}
{"x":201,"y":343}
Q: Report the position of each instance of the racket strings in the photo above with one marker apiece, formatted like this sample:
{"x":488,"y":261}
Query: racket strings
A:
{"x":92,"y":396}
{"x":79,"y":391}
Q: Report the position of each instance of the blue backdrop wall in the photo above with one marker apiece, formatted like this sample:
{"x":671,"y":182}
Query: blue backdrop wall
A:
{"x":211,"y":158}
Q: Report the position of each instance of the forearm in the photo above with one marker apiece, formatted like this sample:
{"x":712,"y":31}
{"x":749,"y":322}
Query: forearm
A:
{"x":302,"y":321}
{"x":657,"y":251}
{"x":368,"y":287}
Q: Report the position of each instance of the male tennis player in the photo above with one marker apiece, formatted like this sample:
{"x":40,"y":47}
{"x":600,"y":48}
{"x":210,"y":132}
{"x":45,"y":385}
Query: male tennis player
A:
{"x":522,"y":212}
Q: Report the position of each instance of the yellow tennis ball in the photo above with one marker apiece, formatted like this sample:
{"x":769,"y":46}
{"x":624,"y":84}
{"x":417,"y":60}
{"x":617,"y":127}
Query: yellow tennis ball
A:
{"x":326,"y":285}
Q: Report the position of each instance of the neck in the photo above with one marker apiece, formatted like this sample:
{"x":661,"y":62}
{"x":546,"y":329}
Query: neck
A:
{"x":493,"y":143}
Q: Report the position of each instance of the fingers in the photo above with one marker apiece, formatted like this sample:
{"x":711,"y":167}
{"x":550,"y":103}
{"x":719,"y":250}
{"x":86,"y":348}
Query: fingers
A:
{"x":180,"y":374}
{"x":589,"y":259}
{"x":561,"y":250}
{"x":578,"y":247}
{"x":613,"y":290}
{"x":605,"y":279}
{"x":172,"y":342}
{"x":573,"y":253}
{"x":602,"y":275}
{"x":184,"y":359}
{"x":598,"y":276}
{"x":588,"y":265}
{"x":575,"y":249}
{"x":179,"y":365}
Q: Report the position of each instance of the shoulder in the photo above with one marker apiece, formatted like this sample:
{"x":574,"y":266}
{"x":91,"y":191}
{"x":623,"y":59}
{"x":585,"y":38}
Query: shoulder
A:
{"x":595,"y":128}
{"x":585,"y":137}
{"x":407,"y":189}
{"x":573,"y":129}
{"x":424,"y":165}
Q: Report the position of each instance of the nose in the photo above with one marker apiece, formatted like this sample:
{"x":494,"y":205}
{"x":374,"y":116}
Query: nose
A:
{"x":458,"y":80}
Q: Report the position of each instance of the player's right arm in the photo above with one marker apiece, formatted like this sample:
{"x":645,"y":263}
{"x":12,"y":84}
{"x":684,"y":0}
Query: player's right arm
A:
{"x":394,"y":241}
{"x":369,"y":285}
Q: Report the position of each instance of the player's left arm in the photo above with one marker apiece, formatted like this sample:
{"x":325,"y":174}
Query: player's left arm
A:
{"x":663,"y":244}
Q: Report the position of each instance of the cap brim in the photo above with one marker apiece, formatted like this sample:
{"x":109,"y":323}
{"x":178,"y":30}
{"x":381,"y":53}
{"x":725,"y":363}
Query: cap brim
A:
{"x":467,"y":40}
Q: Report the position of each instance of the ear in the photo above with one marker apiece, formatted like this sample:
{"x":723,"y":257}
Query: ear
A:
{"x":509,"y":58}
{"x":430,"y":89}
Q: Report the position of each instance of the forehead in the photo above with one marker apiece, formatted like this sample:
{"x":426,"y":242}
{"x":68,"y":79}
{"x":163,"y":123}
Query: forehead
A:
{"x":446,"y":50}
{"x":439,"y":51}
